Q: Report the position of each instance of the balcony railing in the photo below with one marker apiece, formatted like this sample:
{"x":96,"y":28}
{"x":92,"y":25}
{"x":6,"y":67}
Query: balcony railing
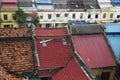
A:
{"x":54,"y":21}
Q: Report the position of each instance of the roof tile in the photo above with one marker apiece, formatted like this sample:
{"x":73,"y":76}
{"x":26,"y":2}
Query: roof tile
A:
{"x":16,"y":55}
{"x":14,"y":32}
{"x":6,"y":76}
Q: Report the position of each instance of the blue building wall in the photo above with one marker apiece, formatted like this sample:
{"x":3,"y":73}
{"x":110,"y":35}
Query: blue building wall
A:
{"x":114,"y":41}
{"x":112,"y":28}
{"x":113,"y":36}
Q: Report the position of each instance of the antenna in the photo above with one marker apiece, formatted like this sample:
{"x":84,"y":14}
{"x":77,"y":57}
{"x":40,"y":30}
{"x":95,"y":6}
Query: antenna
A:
{"x":44,"y":41}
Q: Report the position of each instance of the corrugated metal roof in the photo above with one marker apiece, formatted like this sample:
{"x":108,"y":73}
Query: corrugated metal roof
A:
{"x":75,"y":0}
{"x":104,"y":5}
{"x":77,"y":22}
{"x":60,"y":6}
{"x":105,"y":1}
{"x":76,"y":6}
{"x":72,"y":71}
{"x":25,"y":4}
{"x":44,"y":1}
{"x":87,"y":1}
{"x":86,"y":29}
{"x":45,"y":6}
{"x":54,"y":54}
{"x":112,"y":28}
{"x":59,"y":1}
{"x":44,"y":73}
{"x":94,"y":50}
{"x":114,"y":40}
{"x":115,"y":2}
{"x":51,"y":32}
{"x":91,"y":4}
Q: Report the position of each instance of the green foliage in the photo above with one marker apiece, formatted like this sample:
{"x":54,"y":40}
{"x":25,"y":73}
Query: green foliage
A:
{"x":20,"y":17}
{"x":35,"y":21}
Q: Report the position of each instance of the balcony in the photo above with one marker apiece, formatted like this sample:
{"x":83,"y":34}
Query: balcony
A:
{"x":54,"y":21}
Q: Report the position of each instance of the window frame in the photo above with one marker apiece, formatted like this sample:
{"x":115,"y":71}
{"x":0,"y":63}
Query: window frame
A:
{"x":96,"y":16}
{"x":111,"y":15}
{"x":104,"y":15}
{"x":49,"y":16}
{"x":5,"y":16}
{"x":73,"y":15}
{"x":89,"y":16}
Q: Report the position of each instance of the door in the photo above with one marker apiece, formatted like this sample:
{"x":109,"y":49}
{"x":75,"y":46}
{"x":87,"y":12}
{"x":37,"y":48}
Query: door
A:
{"x":105,"y":75}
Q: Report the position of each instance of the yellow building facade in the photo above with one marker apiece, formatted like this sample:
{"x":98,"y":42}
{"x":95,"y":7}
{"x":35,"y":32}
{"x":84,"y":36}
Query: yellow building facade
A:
{"x":108,"y":15}
{"x":6,"y":18}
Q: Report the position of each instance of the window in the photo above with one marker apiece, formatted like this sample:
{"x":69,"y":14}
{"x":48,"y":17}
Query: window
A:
{"x":111,"y":15}
{"x":81,"y":16}
{"x":105,"y":75}
{"x":47,"y":25}
{"x":49,"y":16}
{"x":56,"y":25}
{"x":41,"y":17}
{"x":73,"y":16}
{"x":6,"y":26}
{"x":118,"y":16}
{"x":89,"y":16}
{"x":66,"y":15}
{"x":12,"y":25}
{"x":5,"y":17}
{"x":57,"y":15}
{"x":96,"y":16}
{"x":104,"y":15}
{"x":45,"y":78}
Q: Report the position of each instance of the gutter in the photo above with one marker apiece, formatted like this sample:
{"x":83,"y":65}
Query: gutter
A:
{"x":35,"y":54}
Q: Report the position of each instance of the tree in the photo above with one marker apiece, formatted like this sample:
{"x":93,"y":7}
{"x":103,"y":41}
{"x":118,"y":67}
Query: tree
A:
{"x":20,"y":17}
{"x":35,"y":21}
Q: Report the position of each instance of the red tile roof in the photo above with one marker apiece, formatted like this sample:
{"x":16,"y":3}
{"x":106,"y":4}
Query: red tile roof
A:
{"x":14,"y":32}
{"x":54,"y":54}
{"x":72,"y":71}
{"x":94,"y":50}
{"x":32,"y":14}
{"x":9,"y":5}
{"x":9,"y":1}
{"x":15,"y":49}
{"x":16,"y":55}
{"x":6,"y":76}
{"x":51,"y":32}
